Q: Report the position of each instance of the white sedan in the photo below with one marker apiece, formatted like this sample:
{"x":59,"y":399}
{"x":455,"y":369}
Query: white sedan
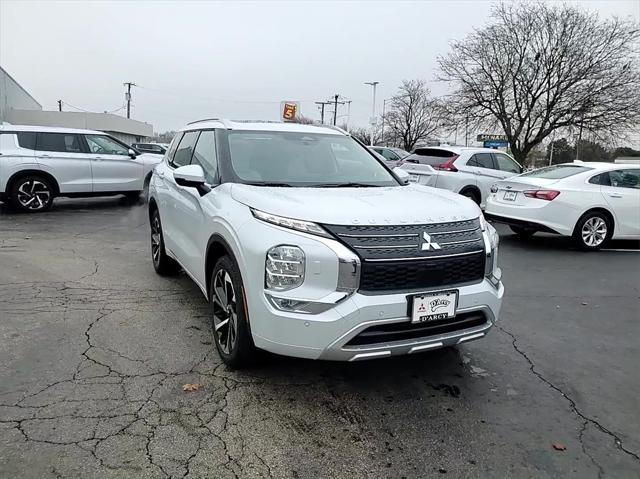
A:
{"x":591,"y":202}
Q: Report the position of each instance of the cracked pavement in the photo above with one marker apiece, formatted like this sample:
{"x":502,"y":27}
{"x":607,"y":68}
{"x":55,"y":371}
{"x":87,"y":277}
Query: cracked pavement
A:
{"x":95,"y":348}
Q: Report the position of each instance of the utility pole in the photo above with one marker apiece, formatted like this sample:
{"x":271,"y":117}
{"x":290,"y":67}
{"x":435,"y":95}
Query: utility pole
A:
{"x":59,"y":105}
{"x":466,"y":130}
{"x":578,"y":142}
{"x":384,"y":107}
{"x":322,"y":105}
{"x":335,"y":108}
{"x":373,"y":108}
{"x":348,"y":102}
{"x":127,"y":97}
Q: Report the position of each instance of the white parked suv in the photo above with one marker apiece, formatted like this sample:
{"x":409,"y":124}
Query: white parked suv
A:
{"x":468,"y":171}
{"x":38,"y":163}
{"x":307,"y":245}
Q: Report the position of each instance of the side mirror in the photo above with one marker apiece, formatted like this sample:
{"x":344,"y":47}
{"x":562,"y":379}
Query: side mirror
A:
{"x":132,"y":153}
{"x":402,"y":175}
{"x":191,"y":176}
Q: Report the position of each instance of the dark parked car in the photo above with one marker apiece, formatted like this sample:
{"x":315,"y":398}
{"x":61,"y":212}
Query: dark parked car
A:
{"x":150,"y":148}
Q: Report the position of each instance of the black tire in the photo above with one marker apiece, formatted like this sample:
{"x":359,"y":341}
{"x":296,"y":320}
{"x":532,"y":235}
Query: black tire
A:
{"x":472,"y":195}
{"x":593,"y":231}
{"x":163,"y":264}
{"x":523,"y":233}
{"x":231,"y":330}
{"x":32,"y":194}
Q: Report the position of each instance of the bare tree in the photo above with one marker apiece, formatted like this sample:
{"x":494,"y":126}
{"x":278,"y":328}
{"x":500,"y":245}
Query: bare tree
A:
{"x":412,"y":115}
{"x":540,"y":67}
{"x":305,"y":120}
{"x":364,"y":134}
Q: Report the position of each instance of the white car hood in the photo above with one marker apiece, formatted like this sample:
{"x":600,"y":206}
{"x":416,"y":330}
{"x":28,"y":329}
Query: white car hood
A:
{"x":412,"y":204}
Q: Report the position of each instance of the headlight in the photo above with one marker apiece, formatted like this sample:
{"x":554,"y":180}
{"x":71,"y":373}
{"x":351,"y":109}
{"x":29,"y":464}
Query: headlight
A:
{"x":491,"y":240}
{"x":298,"y":225}
{"x":284,"y":268}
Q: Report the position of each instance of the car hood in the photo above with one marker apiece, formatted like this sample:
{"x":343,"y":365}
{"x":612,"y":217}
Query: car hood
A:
{"x":411,"y":204}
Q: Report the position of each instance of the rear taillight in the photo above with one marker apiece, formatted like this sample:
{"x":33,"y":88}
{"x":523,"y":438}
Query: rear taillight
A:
{"x":447,"y":165}
{"x":547,"y":195}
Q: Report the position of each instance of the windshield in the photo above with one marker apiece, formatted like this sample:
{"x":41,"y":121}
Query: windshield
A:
{"x":281,"y":158}
{"x":556,"y":172}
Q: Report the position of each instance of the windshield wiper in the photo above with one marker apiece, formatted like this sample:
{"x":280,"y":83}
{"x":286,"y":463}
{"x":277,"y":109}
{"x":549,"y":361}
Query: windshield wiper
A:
{"x":266,"y":183}
{"x":345,"y":185}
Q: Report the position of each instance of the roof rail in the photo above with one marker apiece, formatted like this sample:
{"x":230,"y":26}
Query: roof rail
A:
{"x":221,"y":120}
{"x":257,"y":121}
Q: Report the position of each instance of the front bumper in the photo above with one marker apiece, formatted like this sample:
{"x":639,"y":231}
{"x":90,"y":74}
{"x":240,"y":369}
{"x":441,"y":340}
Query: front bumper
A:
{"x":326,"y":335}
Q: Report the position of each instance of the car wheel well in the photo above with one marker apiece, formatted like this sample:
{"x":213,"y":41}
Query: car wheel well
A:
{"x":43,"y":174}
{"x":473,"y":190}
{"x":216,"y":249}
{"x":152,"y":207}
{"x":605,"y":212}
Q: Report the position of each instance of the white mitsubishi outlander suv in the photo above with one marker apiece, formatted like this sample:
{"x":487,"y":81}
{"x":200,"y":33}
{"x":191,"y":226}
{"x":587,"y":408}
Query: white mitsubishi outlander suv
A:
{"x":307,"y":245}
{"x":39,"y":163}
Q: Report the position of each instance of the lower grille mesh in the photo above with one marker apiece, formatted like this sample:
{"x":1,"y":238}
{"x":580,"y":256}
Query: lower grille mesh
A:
{"x":394,"y":276}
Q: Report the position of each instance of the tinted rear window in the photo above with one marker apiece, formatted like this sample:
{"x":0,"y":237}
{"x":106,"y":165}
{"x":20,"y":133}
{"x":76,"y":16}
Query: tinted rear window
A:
{"x":429,"y":156}
{"x":556,"y":172}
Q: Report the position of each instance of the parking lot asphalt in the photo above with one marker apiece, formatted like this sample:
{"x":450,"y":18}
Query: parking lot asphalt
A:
{"x":95,"y":349}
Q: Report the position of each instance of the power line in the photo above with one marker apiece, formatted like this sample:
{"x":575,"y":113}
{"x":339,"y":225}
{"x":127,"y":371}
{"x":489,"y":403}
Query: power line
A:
{"x":62,"y":102}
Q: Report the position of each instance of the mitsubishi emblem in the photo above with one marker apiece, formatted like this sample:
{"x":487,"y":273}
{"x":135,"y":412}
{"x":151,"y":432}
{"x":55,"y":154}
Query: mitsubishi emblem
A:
{"x":428,"y":243}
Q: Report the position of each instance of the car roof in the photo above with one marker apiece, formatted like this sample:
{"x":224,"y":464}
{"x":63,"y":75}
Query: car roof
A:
{"x":459,"y":149}
{"x":46,"y":129}
{"x":258,"y":125}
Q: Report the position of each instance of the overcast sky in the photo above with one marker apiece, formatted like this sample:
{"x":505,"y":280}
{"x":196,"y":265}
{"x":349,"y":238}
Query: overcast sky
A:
{"x":233,"y":59}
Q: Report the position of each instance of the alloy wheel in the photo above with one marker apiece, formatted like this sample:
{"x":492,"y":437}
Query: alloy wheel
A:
{"x":156,"y":239}
{"x":225,"y":312}
{"x":33,"y":195}
{"x":594,"y":231}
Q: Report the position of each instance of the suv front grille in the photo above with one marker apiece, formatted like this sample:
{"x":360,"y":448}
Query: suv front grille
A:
{"x":415,"y":257}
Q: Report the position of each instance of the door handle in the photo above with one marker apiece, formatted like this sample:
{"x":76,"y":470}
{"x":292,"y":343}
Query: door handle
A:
{"x":615,"y":195}
{"x":44,"y":156}
{"x":97,"y":158}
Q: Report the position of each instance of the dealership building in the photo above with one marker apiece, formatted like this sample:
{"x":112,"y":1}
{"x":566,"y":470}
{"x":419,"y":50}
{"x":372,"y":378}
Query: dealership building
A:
{"x":18,"y":107}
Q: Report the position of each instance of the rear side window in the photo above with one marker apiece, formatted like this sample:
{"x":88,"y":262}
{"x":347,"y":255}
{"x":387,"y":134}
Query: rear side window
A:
{"x":27,"y":140}
{"x":557,"y":172}
{"x":482,"y":160}
{"x":61,"y":142}
{"x":185,"y":149}
{"x":601,"y":179}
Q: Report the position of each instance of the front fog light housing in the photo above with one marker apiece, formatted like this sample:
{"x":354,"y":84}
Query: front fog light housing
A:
{"x":284,"y":268}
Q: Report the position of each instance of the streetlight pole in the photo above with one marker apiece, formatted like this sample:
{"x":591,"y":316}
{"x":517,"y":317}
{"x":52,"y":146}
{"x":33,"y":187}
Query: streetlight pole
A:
{"x":384,"y":108}
{"x":373,"y":108}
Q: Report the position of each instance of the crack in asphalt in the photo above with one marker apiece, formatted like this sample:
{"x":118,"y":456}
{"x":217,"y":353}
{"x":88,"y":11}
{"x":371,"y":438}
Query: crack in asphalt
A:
{"x":617,"y":441}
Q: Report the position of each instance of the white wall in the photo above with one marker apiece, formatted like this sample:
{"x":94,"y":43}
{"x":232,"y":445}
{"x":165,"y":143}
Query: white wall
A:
{"x":12,"y":95}
{"x":116,"y":125}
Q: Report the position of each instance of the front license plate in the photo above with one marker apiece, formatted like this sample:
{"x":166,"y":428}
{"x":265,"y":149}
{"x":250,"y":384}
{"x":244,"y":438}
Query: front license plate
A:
{"x":510,"y":195}
{"x":414,"y":178}
{"x":434,"y":306}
